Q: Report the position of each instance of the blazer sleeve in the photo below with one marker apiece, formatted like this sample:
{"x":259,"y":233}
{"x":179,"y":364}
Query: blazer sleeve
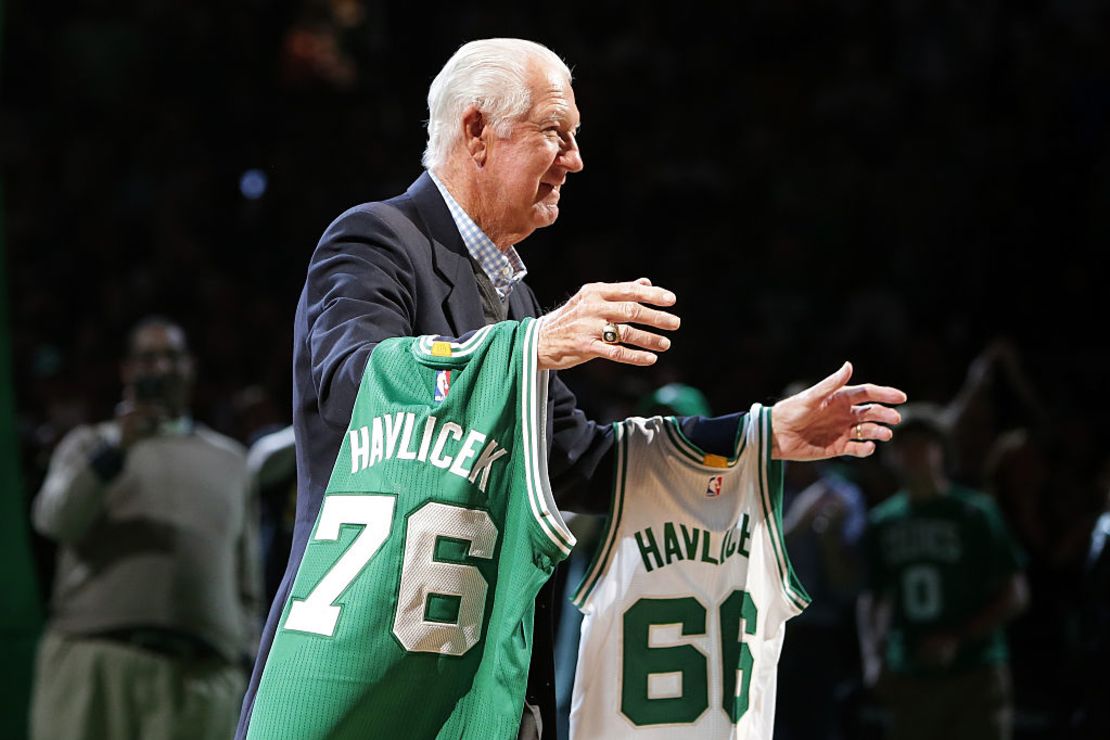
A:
{"x":360,"y":290}
{"x":580,"y":462}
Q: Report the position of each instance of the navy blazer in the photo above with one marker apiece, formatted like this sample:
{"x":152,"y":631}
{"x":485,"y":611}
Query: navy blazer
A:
{"x":400,"y":268}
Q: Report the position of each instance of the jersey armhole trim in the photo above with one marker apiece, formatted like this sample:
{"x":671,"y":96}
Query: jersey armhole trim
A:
{"x":770,"y":497}
{"x":533,"y":399}
{"x":600,"y":562}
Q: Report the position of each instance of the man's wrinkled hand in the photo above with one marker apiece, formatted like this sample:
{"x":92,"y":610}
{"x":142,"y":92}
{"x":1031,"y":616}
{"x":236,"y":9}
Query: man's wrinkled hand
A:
{"x":571,"y":334}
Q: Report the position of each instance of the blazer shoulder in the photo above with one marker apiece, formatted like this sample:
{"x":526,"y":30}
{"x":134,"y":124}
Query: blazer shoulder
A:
{"x":380,"y":226}
{"x":389,"y":218}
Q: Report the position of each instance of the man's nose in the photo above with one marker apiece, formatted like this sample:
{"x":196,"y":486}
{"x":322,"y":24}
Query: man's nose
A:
{"x":572,"y":156}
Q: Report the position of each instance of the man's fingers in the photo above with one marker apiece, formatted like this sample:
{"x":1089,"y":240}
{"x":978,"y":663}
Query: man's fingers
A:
{"x":645,"y":339}
{"x":870,"y":393}
{"x":859,"y":449}
{"x":623,"y":355}
{"x":635,"y":291}
{"x":876,"y":413}
{"x":625,"y":312}
{"x":877,"y":432}
{"x":833,"y":382}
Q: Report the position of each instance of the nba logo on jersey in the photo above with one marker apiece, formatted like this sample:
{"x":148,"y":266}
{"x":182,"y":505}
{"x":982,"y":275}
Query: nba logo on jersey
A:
{"x":443,"y":385}
{"x":713,"y":489}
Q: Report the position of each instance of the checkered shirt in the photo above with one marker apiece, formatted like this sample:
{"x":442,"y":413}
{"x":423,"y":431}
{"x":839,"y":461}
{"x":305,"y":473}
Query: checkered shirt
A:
{"x":504,"y":269}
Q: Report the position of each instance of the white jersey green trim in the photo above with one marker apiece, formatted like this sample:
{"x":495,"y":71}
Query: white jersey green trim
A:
{"x":685,"y":604}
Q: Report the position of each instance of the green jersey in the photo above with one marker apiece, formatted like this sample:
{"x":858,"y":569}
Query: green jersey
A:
{"x":411,"y":613}
{"x":940,"y":561}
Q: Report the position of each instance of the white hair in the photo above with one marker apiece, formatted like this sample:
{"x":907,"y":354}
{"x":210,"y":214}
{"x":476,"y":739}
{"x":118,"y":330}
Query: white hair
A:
{"x":491,"y":74}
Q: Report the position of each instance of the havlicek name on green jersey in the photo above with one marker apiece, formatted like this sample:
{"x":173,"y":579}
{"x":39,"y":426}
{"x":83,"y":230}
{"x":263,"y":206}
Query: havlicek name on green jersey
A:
{"x":680,"y":542}
{"x":392,"y":435}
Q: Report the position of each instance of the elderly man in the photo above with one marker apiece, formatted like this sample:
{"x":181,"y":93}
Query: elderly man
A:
{"x":440,"y":259}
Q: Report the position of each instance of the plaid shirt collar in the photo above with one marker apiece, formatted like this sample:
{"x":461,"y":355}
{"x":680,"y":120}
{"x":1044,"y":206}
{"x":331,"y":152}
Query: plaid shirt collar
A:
{"x":504,"y":269}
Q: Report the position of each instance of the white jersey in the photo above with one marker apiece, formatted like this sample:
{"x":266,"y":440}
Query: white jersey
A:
{"x":687,"y":599}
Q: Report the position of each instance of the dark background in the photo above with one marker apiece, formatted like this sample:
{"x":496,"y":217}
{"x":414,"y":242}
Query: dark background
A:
{"x":895,"y":183}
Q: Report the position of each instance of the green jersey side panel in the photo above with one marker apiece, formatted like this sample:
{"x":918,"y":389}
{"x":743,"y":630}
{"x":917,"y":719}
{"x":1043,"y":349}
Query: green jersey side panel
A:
{"x":411,"y":612}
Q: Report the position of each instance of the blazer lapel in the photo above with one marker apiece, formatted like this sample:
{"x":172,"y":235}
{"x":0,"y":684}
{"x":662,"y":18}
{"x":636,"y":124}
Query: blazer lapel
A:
{"x":462,"y":305}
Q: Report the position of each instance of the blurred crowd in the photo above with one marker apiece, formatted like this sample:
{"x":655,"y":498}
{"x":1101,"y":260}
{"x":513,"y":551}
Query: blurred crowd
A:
{"x":948,"y":162}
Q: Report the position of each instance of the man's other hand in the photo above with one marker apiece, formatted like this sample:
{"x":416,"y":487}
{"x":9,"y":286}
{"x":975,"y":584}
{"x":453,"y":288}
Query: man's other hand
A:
{"x":832,"y":418}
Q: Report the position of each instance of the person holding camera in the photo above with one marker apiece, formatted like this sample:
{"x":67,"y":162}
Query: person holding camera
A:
{"x":156,"y":602}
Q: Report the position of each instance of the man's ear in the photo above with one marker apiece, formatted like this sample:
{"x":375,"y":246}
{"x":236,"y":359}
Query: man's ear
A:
{"x":474,"y":129}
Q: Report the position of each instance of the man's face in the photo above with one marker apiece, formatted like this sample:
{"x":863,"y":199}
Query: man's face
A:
{"x":522,"y":174}
{"x":159,"y":369}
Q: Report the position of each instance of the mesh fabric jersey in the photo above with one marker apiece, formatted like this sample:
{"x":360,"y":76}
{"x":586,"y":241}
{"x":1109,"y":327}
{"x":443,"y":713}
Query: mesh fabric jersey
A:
{"x":411,"y":614}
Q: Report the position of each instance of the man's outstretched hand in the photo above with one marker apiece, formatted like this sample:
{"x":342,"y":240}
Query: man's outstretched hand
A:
{"x":820,"y":422}
{"x":571,"y":334}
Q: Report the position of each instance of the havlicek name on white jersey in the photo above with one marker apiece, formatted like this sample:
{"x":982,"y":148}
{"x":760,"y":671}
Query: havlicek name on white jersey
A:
{"x":671,"y":543}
